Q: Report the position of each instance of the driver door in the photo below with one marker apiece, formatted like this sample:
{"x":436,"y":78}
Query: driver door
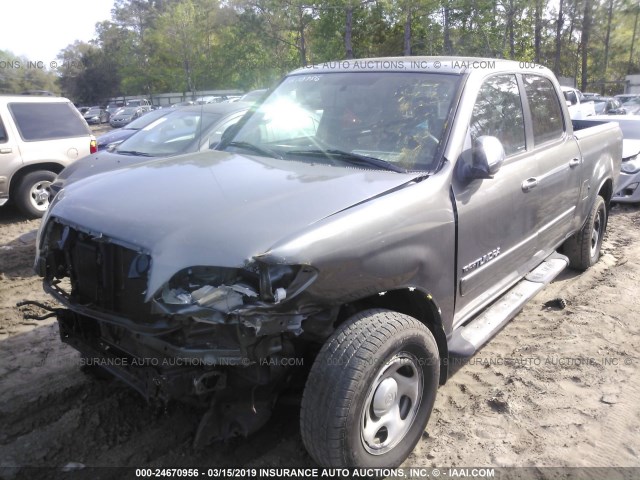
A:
{"x":497,"y":217}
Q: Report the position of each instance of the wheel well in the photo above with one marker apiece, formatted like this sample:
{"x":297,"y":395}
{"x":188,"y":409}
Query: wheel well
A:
{"x":414,"y":303}
{"x":606,"y":192}
{"x":19,"y":175}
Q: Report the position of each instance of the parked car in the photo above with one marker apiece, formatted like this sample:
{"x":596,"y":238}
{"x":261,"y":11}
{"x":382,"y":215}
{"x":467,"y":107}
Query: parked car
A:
{"x":96,"y":115}
{"x":177,"y":131}
{"x":579,"y":107}
{"x":209,"y":99}
{"x":142,"y":103}
{"x":590,"y":95}
{"x":114,"y":137}
{"x":253,"y":96}
{"x":113,"y":107}
{"x":182,"y":104}
{"x":625,"y":97}
{"x":39,"y":136}
{"x":41,"y":93}
{"x":124,"y":116}
{"x":608,"y":106}
{"x":372,"y":218}
{"x":632,"y":105}
{"x":627,"y":188}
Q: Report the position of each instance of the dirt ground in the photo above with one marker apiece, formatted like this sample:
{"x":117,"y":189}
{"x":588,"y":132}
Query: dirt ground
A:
{"x":557,"y":387}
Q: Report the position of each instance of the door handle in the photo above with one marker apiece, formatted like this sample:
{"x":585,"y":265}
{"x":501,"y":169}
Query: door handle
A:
{"x":575,"y":162}
{"x":6,"y":150}
{"x":529,"y":184}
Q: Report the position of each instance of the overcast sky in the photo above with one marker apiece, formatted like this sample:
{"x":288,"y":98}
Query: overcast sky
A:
{"x":39,"y":29}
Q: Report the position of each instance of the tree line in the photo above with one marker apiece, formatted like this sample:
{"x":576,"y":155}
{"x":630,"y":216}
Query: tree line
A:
{"x":152,"y":46}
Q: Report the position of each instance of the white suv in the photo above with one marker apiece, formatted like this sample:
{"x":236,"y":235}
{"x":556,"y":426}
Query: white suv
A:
{"x":39,"y":136}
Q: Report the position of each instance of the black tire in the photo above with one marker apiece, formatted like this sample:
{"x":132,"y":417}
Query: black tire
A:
{"x":30,"y":193}
{"x":355,"y":370}
{"x":583,"y":249}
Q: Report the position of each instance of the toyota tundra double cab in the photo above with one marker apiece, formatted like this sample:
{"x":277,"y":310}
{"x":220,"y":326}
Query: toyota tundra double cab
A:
{"x":368,"y":219}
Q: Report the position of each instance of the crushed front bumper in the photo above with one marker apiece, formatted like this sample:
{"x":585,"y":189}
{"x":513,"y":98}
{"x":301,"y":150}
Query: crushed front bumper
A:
{"x":156,"y":377}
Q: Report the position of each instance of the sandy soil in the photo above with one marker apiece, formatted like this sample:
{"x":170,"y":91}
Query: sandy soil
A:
{"x":557,"y":387}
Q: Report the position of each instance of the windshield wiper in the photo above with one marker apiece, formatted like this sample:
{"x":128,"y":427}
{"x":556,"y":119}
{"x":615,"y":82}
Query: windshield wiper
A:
{"x":135,"y":153}
{"x":255,"y":148}
{"x":353,"y":158}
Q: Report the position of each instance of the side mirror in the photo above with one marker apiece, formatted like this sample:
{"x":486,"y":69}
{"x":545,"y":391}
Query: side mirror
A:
{"x":568,"y":102}
{"x":112,"y":146}
{"x":487,"y":156}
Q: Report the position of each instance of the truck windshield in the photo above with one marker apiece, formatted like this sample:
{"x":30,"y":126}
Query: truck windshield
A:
{"x":389,"y":120}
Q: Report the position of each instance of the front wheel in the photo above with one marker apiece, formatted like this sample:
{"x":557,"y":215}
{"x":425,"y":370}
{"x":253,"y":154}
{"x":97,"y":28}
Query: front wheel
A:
{"x":370,"y":391}
{"x":583,"y":249}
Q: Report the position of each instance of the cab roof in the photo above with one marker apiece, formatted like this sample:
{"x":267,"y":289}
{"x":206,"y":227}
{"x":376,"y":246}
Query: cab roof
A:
{"x":450,"y":65}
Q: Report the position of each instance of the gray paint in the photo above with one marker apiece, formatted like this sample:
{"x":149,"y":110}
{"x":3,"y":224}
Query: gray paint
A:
{"x":214,"y":208}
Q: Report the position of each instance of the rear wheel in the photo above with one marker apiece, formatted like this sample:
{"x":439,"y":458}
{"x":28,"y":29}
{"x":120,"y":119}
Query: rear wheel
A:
{"x":583,"y":249}
{"x":370,"y":391}
{"x":32,"y":194}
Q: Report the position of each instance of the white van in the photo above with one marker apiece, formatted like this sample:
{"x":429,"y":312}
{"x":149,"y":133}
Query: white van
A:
{"x":39,"y":136}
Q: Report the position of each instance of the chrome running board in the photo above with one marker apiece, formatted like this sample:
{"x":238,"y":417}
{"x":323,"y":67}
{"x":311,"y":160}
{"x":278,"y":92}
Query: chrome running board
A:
{"x":467,"y":339}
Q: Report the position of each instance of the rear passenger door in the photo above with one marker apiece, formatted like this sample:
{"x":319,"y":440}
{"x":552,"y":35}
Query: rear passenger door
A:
{"x":558,"y":160}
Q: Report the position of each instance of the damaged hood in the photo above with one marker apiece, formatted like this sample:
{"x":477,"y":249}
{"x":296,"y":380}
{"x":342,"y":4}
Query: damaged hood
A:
{"x":214,"y":208}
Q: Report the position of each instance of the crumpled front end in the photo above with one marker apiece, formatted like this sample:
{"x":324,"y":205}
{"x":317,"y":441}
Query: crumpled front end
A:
{"x":208,"y":333}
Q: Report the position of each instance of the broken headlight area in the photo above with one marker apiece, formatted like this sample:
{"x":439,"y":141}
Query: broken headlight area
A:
{"x":100,"y":274}
{"x":210,"y":294}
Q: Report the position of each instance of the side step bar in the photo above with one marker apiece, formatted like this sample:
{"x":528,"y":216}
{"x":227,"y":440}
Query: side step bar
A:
{"x":467,"y":339}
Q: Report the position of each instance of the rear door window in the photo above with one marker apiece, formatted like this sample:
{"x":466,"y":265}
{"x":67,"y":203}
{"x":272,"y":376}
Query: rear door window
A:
{"x":46,"y":121}
{"x":546,"y":114}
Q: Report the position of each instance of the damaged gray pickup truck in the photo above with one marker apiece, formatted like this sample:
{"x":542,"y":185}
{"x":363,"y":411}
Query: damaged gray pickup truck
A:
{"x":366,"y":221}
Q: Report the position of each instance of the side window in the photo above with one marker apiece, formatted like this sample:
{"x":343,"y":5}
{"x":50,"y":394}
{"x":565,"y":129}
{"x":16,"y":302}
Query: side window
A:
{"x":546,"y":114}
{"x":3,"y":133}
{"x":571,"y":97}
{"x":216,"y":134}
{"x":498,"y":112}
{"x":46,"y":121}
